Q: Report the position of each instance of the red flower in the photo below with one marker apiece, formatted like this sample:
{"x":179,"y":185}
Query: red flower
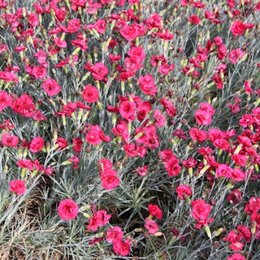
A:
{"x":155,"y":211}
{"x":68,"y":209}
{"x":77,"y":144}
{"x":61,"y":142}
{"x":24,"y":106}
{"x":194,"y":19}
{"x":73,"y":25}
{"x":166,"y":155}
{"x":99,"y":71}
{"x":51,"y":87}
{"x":9,"y":140}
{"x":238,"y":28}
{"x":36,"y":144}
{"x":183,"y":191}
{"x":234,"y":238}
{"x":239,"y":159}
{"x":25,"y":163}
{"x":17,"y":186}
{"x":245,"y":232}
{"x":172,"y":167}
{"x":234,"y":197}
{"x":90,"y":94}
{"x":200,"y":211}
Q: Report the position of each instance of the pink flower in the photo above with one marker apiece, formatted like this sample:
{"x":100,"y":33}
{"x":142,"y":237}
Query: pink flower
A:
{"x":200,"y":211}
{"x":204,"y":114}
{"x":68,"y":209}
{"x":130,"y":32}
{"x":143,"y":109}
{"x":109,"y":180}
{"x":99,"y":219}
{"x":236,"y":256}
{"x":99,"y":71}
{"x":198,"y":135}
{"x":160,"y":119}
{"x":36,"y":144}
{"x":204,"y":106}
{"x":122,"y":247}
{"x":60,"y":43}
{"x":223,"y":171}
{"x":51,"y":87}
{"x":17,"y":186}
{"x":95,"y":135}
{"x":33,"y":19}
{"x":121,"y":129}
{"x":151,"y":226}
{"x":5,"y":100}
{"x":239,"y":159}
{"x":147,"y":85}
{"x":90,"y":94}
{"x":24,"y":106}
{"x":154,"y":21}
{"x":9,"y":140}
{"x":203,"y":118}
{"x":238,"y":175}
{"x":142,"y":171}
{"x":104,"y":165}
{"x":113,"y":234}
{"x":235,"y":55}
{"x":127,"y":110}
{"x":183,"y":191}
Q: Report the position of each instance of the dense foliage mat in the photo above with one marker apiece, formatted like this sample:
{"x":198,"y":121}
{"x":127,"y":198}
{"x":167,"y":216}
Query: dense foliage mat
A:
{"x":129,"y":129}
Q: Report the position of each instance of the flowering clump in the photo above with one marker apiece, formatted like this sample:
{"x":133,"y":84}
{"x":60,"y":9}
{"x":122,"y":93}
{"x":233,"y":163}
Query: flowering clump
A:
{"x":146,"y":113}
